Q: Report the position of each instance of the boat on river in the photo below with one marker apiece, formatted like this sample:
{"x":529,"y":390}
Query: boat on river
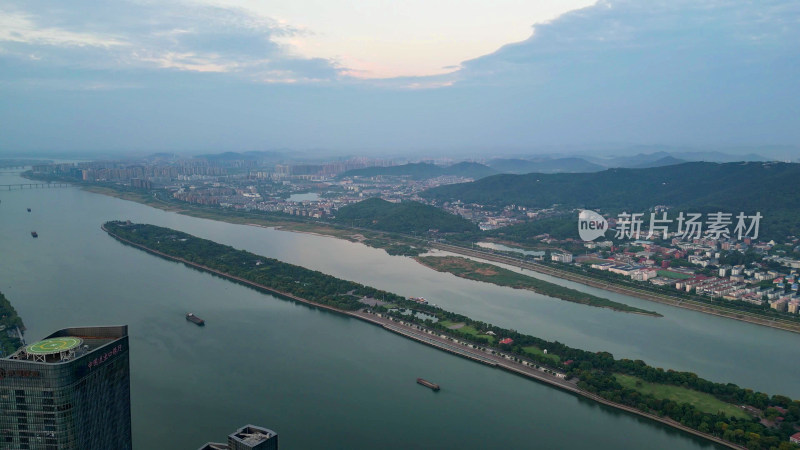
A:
{"x":194,"y":319}
{"x":428,"y":384}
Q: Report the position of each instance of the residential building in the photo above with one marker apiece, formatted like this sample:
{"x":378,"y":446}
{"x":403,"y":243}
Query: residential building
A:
{"x":561,"y":257}
{"x":780,"y":304}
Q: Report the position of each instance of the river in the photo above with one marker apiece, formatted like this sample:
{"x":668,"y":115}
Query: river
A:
{"x":326,"y":381}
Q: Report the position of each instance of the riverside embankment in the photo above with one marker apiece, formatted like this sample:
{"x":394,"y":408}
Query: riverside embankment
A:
{"x":488,"y":356}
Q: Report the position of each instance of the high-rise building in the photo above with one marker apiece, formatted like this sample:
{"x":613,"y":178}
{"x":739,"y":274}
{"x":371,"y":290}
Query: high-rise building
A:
{"x":249,"y":437}
{"x":68,"y":391}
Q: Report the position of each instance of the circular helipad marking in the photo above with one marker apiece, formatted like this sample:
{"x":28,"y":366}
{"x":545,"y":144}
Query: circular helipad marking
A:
{"x":54,"y":345}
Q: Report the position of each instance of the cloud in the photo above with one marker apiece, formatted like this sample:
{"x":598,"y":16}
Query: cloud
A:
{"x":18,"y":28}
{"x":674,"y":72}
{"x":132,"y":35}
{"x":660,"y":39}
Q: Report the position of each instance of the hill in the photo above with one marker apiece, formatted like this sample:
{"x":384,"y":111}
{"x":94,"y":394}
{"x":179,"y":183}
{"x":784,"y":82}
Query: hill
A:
{"x":665,"y":161}
{"x":693,"y":187}
{"x":421,"y":171}
{"x":405,"y":217}
{"x":544,"y":165}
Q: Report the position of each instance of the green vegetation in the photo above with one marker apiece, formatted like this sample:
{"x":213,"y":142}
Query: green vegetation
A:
{"x":703,"y":402}
{"x":405,"y":217}
{"x":9,"y":321}
{"x":560,"y":227}
{"x":421,"y":171}
{"x":396,"y":246}
{"x":695,"y":187}
{"x":489,"y":273}
{"x":286,"y":278}
{"x":596,"y":372}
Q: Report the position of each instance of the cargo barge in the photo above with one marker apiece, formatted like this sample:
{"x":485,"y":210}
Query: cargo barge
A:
{"x":428,"y":384}
{"x":194,"y":319}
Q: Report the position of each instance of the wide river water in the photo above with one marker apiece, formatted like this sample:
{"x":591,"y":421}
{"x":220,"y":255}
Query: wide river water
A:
{"x":326,"y":381}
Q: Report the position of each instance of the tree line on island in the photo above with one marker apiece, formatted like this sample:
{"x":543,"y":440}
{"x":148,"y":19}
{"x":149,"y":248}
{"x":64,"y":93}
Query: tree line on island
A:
{"x":595,"y":371}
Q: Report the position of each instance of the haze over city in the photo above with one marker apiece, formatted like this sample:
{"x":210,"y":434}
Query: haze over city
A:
{"x":389,"y":78}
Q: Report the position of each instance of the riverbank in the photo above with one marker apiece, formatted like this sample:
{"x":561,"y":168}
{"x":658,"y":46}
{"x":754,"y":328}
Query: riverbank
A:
{"x":488,"y":273}
{"x":382,"y":240}
{"x":445,"y":342}
{"x":394,"y":245}
{"x":638,"y":293}
{"x":11,"y":328}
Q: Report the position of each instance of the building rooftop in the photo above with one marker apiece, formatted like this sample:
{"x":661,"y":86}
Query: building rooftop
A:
{"x":252,"y":435}
{"x":69,"y":344}
{"x":59,"y":350}
{"x":247,"y":437}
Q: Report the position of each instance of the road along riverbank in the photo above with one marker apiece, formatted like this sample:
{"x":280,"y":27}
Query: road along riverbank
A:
{"x":441,"y":341}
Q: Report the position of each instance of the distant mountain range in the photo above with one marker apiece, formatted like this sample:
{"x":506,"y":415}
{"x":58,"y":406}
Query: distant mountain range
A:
{"x":544,"y":165}
{"x":243,"y":156}
{"x":575,"y":164}
{"x":769,"y":188}
{"x":421,"y":171}
{"x":665,"y":161}
{"x":662,"y":158}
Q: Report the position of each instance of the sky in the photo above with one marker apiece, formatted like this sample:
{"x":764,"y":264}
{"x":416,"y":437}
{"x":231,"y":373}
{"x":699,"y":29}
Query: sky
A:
{"x":384,"y":76}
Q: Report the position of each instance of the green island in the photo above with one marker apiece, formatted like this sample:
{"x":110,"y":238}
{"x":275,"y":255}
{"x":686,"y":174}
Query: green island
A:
{"x":721,"y":411}
{"x":10,"y":322}
{"x":490,"y":273}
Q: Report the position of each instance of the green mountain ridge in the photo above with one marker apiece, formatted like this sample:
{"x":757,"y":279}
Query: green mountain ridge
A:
{"x":750,"y":187}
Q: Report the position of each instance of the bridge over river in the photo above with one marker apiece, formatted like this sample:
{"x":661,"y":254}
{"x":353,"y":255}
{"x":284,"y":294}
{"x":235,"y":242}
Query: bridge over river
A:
{"x":11,"y":187}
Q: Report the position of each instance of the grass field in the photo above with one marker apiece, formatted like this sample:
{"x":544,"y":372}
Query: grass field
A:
{"x":673,"y":275}
{"x":700,"y":400}
{"x":533,"y":350}
{"x":468,"y":330}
